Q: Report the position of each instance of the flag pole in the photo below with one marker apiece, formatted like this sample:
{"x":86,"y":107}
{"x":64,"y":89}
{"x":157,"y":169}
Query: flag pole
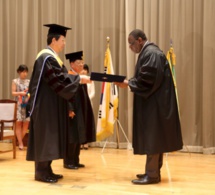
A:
{"x":171,"y":57}
{"x":108,"y":41}
{"x":117,"y":130}
{"x":116,"y":120}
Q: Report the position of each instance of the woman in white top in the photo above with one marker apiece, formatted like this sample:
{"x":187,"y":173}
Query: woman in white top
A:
{"x":20,"y":91}
{"x":91,"y":94}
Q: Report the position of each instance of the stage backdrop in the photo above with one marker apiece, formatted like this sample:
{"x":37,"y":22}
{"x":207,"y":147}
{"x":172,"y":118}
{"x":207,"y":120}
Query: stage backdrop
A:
{"x":188,"y":23}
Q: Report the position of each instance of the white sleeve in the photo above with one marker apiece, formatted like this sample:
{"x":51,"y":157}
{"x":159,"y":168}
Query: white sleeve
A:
{"x":91,"y":90}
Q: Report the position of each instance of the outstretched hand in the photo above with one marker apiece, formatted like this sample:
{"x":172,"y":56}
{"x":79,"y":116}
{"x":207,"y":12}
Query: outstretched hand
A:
{"x":123,"y":84}
{"x":85,"y":79}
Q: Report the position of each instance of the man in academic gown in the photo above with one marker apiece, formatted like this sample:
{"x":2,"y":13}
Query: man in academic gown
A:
{"x":81,"y":117}
{"x":156,"y":124}
{"x":51,"y":87}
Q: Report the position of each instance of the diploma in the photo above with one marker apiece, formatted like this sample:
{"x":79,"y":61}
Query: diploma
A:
{"x":103,"y":77}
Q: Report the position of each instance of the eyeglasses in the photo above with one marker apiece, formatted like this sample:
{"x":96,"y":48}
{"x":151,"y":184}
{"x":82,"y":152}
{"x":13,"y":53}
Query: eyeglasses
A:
{"x":130,"y":44}
{"x":79,"y":63}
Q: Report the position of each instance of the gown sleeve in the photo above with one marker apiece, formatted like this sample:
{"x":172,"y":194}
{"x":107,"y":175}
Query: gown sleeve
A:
{"x":149,"y":75}
{"x":57,"y":77}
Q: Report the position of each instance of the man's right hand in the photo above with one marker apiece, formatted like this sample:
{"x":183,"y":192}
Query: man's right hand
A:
{"x":71,"y":114}
{"x":123,"y":84}
{"x":85,"y":79}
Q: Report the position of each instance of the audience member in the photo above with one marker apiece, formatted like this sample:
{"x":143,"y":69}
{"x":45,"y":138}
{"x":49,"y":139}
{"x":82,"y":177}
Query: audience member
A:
{"x":20,"y":91}
{"x":91,"y":93}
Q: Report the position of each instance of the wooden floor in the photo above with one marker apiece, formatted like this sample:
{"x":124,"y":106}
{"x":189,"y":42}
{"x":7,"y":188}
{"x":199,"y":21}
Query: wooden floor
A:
{"x":110,"y":173}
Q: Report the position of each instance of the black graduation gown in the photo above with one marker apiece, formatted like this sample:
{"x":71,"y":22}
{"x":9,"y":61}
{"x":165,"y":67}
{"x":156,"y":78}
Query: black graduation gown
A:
{"x":156,"y":124}
{"x":82,"y":126}
{"x":49,"y":119}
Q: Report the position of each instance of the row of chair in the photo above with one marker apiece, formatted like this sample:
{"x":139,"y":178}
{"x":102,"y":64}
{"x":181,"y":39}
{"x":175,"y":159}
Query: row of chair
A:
{"x":8,"y":118}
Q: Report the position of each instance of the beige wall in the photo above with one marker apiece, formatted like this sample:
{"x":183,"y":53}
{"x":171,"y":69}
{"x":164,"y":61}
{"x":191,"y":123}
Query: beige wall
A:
{"x":188,"y":23}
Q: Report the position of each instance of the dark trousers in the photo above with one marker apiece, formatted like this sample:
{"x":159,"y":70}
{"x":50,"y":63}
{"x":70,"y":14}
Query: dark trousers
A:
{"x":154,"y":163}
{"x":72,"y":154}
{"x":43,"y":168}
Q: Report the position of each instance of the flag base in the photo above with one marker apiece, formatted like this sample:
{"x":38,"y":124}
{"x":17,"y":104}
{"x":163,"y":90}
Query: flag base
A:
{"x":117,"y":133}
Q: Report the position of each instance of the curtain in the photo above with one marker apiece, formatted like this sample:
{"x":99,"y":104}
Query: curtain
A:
{"x":189,"y":24}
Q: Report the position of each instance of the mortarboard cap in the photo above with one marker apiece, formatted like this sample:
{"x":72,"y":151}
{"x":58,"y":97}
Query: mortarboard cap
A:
{"x":95,"y":76}
{"x":57,"y":29}
{"x":74,"y":56}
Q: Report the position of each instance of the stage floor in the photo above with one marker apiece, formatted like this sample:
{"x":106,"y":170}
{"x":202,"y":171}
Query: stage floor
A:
{"x":110,"y":173}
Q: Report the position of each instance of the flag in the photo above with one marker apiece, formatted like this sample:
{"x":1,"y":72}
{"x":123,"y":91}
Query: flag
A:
{"x":171,"y":57}
{"x":108,"y":102}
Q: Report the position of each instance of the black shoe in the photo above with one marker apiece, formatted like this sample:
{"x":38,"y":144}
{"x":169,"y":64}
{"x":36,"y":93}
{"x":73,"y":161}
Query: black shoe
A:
{"x":57,"y":176}
{"x":140,"y":175}
{"x":80,"y":165}
{"x":146,"y":180}
{"x":47,"y":179}
{"x":70,"y":166}
{"x":143,"y":175}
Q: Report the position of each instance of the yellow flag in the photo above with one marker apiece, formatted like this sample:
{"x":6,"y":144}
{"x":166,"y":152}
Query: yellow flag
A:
{"x":108,"y":102}
{"x":171,"y":57}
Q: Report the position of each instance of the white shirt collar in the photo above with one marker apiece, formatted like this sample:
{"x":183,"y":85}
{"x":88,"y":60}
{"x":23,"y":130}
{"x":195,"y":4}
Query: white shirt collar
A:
{"x":74,"y":71}
{"x":52,"y":50}
{"x":144,"y":45}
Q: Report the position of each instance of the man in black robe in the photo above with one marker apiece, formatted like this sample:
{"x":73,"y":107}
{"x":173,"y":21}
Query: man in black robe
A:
{"x":50,"y":88}
{"x":156,"y":124}
{"x":82,"y":124}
